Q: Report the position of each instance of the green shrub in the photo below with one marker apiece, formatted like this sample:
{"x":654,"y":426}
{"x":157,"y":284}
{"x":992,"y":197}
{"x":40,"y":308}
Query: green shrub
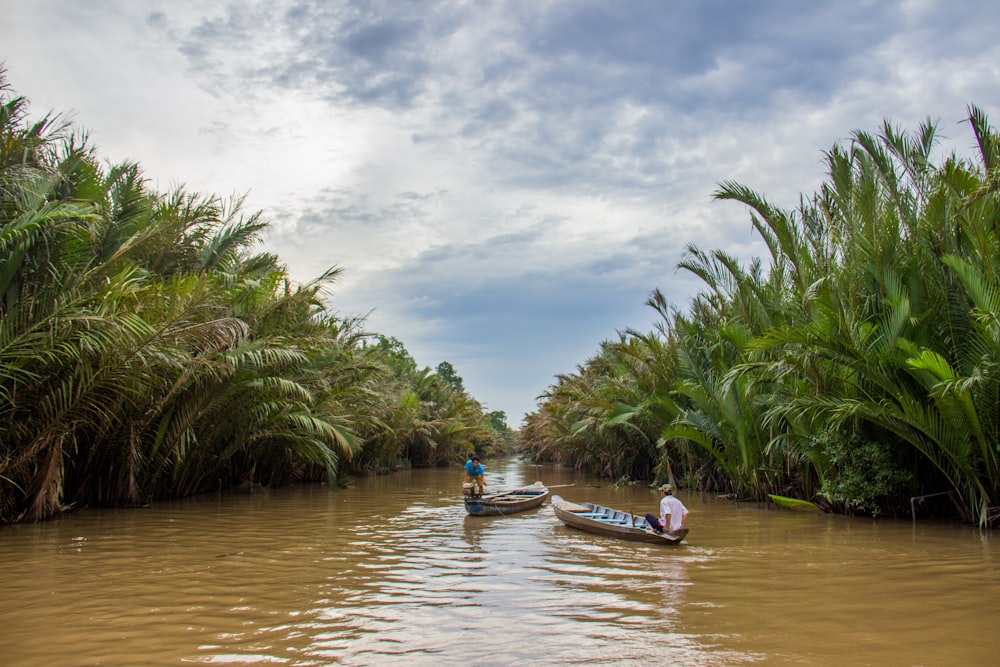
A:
{"x":864,"y":476}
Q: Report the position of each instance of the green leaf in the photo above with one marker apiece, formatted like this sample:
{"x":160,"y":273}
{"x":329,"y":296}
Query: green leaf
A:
{"x":794,"y":503}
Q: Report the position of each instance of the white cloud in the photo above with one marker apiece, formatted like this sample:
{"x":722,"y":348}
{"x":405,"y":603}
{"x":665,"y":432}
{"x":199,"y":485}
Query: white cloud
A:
{"x":503,"y":182}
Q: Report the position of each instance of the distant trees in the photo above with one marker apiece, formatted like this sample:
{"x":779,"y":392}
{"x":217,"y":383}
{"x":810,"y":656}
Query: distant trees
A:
{"x":149,"y":348}
{"x":447,"y":373}
{"x":857,"y":368}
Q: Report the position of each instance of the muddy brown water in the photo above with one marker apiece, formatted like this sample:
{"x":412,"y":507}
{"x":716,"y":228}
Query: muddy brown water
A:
{"x":391,"y":571}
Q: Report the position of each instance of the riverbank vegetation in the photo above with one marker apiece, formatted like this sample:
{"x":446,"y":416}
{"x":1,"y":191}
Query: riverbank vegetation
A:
{"x":150,"y":349}
{"x":858,"y":366}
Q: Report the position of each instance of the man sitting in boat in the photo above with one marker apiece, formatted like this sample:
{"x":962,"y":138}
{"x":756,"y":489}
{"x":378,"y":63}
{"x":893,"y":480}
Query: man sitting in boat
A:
{"x":475,"y":476}
{"x":672,"y":512}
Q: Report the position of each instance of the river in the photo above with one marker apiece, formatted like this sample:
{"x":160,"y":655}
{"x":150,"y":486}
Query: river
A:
{"x":391,"y":571}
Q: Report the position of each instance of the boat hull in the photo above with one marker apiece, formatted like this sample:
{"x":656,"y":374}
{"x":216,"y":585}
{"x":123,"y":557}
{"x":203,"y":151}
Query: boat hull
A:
{"x":612,"y":523}
{"x":507,"y":502}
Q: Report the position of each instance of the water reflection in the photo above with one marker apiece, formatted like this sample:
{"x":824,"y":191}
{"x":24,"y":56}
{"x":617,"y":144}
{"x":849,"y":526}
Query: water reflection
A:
{"x":474,"y":527}
{"x":393,"y":571}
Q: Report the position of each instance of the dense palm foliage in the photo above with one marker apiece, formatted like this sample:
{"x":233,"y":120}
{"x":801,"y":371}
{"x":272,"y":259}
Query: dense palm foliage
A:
{"x":859,"y":369}
{"x":150,"y":349}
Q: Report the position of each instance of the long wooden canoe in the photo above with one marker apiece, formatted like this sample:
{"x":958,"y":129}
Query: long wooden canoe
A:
{"x":615,"y":523}
{"x":507,"y":502}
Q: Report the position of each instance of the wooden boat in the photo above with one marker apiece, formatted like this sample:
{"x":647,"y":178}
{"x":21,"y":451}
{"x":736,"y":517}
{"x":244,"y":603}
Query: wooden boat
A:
{"x":615,"y":523}
{"x":507,"y":502}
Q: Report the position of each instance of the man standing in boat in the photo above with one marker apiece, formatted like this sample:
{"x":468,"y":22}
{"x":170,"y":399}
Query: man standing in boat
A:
{"x":475,"y":475}
{"x":673,"y":514}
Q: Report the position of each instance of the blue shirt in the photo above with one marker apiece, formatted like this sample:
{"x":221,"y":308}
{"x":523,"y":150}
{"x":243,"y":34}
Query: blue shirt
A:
{"x":474,"y":468}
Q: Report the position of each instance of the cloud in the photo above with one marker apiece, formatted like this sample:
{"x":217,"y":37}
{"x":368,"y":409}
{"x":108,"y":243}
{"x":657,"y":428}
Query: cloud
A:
{"x":503,"y":182}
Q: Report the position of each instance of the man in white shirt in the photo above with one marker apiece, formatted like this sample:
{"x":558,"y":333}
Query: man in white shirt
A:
{"x":672,"y":512}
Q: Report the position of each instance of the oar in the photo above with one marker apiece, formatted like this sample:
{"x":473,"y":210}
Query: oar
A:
{"x":559,"y":486}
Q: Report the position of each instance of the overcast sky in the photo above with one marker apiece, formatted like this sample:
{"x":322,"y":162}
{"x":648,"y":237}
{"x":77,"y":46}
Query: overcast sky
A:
{"x":503,"y":183}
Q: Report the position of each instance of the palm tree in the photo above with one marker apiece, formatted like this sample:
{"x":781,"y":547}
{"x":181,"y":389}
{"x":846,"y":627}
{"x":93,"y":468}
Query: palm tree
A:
{"x":148,"y":349}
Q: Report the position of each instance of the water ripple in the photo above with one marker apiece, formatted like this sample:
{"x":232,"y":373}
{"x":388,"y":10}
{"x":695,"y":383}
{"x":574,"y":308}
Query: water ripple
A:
{"x":392,"y":571}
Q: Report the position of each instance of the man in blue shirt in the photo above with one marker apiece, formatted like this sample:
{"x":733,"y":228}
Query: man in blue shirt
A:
{"x":475,"y":474}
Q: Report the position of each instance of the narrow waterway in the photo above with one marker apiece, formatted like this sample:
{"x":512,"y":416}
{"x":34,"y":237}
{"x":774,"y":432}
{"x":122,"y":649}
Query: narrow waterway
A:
{"x":391,"y":571}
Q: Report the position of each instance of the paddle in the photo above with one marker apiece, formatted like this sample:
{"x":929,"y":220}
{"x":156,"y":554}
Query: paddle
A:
{"x":559,"y":486}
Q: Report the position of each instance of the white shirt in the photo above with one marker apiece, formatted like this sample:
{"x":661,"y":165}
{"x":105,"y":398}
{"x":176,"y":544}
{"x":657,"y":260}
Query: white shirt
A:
{"x":676,"y":510}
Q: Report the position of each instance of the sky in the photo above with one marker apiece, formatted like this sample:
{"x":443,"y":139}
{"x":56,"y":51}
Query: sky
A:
{"x":502,"y":183}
